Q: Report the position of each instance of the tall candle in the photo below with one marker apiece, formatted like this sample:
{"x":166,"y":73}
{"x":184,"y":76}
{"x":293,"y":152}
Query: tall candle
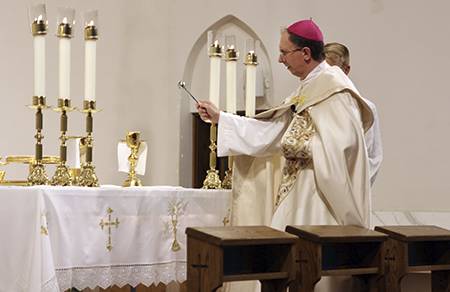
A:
{"x":64,"y":68}
{"x":89,"y":69}
{"x":215,"y":54}
{"x":65,"y":22}
{"x":38,"y":22}
{"x":231,"y":86}
{"x":231,"y":65}
{"x":250,"y":84}
{"x":39,"y":65}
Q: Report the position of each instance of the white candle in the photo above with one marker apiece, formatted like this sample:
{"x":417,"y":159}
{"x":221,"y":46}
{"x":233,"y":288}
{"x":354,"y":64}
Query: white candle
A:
{"x":231,"y":86}
{"x":250,"y":90}
{"x":64,"y":67}
{"x":89,"y":67}
{"x":39,"y":65}
{"x":214,"y":80}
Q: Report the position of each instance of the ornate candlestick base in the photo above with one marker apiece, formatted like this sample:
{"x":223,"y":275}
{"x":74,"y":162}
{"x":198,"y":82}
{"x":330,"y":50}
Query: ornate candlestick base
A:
{"x":37,"y":175}
{"x":88,"y":178}
{"x":227,"y":182}
{"x":212,"y":180}
{"x":62,"y":176}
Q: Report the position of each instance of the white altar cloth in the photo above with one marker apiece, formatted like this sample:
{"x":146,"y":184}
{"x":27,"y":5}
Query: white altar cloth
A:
{"x":52,"y":237}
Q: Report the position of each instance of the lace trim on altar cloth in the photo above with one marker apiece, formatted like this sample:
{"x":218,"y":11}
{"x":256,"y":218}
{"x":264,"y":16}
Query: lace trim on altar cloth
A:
{"x":121,"y":275}
{"x":50,"y":286}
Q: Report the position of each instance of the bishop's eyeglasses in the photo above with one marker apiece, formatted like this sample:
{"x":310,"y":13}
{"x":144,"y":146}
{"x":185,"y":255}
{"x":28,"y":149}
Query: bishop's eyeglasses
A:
{"x":285,"y":53}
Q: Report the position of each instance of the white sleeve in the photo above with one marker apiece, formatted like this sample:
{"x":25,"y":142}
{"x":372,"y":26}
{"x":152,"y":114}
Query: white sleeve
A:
{"x":374,"y":146}
{"x":246,"y":136}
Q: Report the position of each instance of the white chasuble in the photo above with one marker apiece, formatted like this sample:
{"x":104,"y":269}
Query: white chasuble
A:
{"x":315,"y":170}
{"x":324,"y":177}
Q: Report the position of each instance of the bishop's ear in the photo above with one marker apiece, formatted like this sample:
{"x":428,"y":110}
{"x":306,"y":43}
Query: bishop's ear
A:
{"x":306,"y":52}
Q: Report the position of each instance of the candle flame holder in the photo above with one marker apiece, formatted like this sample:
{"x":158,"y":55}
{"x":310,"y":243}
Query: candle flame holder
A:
{"x":231,"y":54}
{"x":64,"y":30}
{"x":37,"y":174}
{"x":215,"y":50}
{"x":88,"y":177}
{"x":251,"y":58}
{"x":39,"y":27}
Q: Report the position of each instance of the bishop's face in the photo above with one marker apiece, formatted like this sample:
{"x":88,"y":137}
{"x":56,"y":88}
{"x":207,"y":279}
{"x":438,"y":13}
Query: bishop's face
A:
{"x":292,"y":56}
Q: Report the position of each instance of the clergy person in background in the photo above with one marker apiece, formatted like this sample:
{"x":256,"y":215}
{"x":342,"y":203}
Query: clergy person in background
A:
{"x":319,"y":133}
{"x":337,"y":54}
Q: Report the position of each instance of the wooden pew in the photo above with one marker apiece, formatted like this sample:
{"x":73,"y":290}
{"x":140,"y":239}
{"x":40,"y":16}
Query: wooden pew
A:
{"x":326,"y":250}
{"x":411,"y":249}
{"x":225,"y":254}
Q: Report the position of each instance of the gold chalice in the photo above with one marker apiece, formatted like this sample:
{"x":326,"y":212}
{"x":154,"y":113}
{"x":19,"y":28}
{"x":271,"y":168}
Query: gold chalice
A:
{"x":133,"y":141}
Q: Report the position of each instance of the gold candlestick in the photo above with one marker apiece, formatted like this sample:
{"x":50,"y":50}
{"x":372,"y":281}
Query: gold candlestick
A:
{"x":212,"y":180}
{"x":227,"y":182}
{"x":38,"y":175}
{"x":88,"y":178}
{"x":133,"y":141}
{"x":231,"y":55}
{"x":62,"y":175}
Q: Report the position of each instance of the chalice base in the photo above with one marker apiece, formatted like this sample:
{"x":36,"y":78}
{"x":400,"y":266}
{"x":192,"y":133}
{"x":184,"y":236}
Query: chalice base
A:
{"x":88,"y":178}
{"x":132,"y":182}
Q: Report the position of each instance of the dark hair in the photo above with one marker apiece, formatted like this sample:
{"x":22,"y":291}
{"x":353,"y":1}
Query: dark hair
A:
{"x":316,"y":47}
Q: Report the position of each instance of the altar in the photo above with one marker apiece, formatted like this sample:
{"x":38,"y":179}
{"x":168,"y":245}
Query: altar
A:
{"x":55,"y":238}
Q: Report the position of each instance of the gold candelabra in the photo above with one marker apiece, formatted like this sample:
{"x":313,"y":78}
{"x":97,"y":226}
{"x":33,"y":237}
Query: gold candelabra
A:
{"x":88,"y":178}
{"x":133,"y":142}
{"x":62,"y":175}
{"x":38,"y":175}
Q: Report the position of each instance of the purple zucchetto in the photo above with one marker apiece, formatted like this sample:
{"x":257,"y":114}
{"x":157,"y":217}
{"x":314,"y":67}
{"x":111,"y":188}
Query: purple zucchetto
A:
{"x":306,"y":29}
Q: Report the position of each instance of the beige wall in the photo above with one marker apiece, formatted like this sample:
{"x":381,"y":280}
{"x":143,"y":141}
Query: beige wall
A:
{"x":399,"y":60}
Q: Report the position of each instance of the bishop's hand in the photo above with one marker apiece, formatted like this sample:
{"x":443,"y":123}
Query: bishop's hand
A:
{"x":208,"y":111}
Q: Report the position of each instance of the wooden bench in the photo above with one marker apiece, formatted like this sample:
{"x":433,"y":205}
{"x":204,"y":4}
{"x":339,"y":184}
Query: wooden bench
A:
{"x":411,"y":249}
{"x":225,"y":254}
{"x":326,"y":250}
